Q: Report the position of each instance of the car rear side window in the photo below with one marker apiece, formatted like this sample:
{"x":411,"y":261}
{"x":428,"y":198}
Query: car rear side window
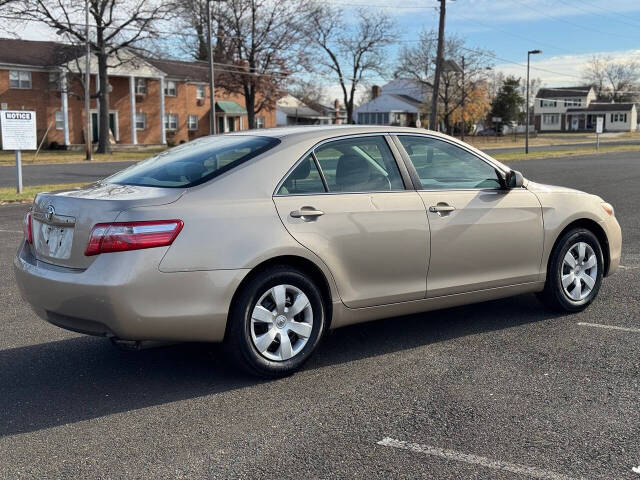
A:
{"x":359,"y":164}
{"x":304,"y":179}
{"x":194,"y":162}
{"x":443,"y":166}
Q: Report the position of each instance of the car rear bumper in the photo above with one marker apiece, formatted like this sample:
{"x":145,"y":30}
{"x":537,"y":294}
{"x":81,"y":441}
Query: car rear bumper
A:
{"x":124,"y":295}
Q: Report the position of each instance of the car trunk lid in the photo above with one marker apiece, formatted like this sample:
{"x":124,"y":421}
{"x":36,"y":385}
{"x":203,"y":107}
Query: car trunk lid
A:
{"x":62,"y":221}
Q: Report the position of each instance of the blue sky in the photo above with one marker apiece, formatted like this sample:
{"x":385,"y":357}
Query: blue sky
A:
{"x":568,"y":32}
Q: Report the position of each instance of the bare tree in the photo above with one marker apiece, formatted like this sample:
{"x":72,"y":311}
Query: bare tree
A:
{"x":265,"y":45}
{"x":612,"y":79}
{"x":464,"y":73}
{"x":350,"y":51}
{"x":190,"y":27}
{"x":118,"y":25}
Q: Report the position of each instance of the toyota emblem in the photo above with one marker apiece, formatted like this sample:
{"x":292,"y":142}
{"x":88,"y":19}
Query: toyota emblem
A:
{"x":50,"y":212}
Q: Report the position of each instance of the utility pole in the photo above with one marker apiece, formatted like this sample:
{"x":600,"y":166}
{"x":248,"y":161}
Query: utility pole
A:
{"x":463,"y":102}
{"x":212,"y":85}
{"x":526,"y":133}
{"x":433,"y":119}
{"x":87,"y":81}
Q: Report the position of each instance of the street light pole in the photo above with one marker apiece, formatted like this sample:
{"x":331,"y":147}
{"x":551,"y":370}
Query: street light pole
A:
{"x":212,"y":91}
{"x":526,"y":133}
{"x":87,"y":81}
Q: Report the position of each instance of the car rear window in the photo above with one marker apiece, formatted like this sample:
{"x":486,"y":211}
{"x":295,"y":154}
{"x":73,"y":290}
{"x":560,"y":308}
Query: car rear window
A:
{"x":194,"y":162}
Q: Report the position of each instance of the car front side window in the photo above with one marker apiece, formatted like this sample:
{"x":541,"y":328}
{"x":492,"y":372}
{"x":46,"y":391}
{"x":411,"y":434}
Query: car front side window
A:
{"x":359,"y":164}
{"x":443,"y":166}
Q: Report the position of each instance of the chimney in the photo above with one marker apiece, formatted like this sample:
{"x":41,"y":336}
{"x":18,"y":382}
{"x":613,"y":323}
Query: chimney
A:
{"x":375,"y":92}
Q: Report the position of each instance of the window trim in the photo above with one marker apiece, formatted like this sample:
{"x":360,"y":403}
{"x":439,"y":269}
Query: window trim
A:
{"x":204,"y":91}
{"x":189,"y":126}
{"x":166,"y":88}
{"x":20,"y":87}
{"x":417,"y":184}
{"x":141,"y":82}
{"x":144,"y":122}
{"x":395,"y":153}
{"x":167,"y":122}
{"x":55,"y":119}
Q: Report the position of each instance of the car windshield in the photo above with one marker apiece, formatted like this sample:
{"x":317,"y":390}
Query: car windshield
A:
{"x":194,"y":162}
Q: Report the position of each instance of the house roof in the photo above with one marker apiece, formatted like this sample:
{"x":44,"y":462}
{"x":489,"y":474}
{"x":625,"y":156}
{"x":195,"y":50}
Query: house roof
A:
{"x":195,"y":71}
{"x":229,"y":106}
{"x":604,"y":107}
{"x":302,"y":111}
{"x":407,"y":98}
{"x":561,"y":92}
{"x":36,"y":53}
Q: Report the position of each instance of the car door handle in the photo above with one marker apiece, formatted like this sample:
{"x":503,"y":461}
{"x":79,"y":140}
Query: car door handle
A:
{"x":441,"y":208}
{"x":306,"y":212}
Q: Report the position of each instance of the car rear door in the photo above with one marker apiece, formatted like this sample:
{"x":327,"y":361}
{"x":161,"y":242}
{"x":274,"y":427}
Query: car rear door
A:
{"x":346,"y":201}
{"x":482,"y":235}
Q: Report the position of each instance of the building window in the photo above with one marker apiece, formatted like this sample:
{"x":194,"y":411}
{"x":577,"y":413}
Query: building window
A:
{"x":619,"y":117}
{"x":59,"y":121}
{"x":171,"y":121}
{"x":54,"y":81}
{"x":141,"y":121}
{"x":551,"y":119}
{"x":170,"y":88}
{"x":200,"y":91}
{"x":572,"y":102}
{"x":548,"y":103}
{"x":192,"y":122}
{"x":259,"y":121}
{"x":19,"y":79}
{"x":141,"y":86}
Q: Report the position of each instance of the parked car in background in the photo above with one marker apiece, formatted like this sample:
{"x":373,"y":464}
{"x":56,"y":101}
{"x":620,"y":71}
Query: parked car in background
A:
{"x":489,"y":132}
{"x":265,"y":240}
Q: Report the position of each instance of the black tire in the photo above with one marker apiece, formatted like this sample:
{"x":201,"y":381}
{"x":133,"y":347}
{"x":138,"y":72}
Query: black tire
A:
{"x":238,"y":342}
{"x":553,"y":294}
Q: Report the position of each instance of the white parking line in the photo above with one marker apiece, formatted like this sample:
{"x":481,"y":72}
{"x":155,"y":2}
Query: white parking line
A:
{"x":532,"y":472}
{"x":625,"y":267}
{"x":10,"y":231}
{"x":610,"y":327}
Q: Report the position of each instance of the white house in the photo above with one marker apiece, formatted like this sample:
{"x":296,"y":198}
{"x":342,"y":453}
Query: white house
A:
{"x":566,"y":109}
{"x":399,"y":102}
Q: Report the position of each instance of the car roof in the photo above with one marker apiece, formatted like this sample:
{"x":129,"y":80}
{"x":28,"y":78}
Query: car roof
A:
{"x":320,"y":131}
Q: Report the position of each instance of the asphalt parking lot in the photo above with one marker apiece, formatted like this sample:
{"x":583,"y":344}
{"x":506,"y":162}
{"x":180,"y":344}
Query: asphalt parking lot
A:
{"x":500,"y":390}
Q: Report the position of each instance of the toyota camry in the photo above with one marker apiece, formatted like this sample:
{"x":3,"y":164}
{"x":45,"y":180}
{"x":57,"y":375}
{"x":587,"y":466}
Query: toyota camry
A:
{"x":266,"y":239}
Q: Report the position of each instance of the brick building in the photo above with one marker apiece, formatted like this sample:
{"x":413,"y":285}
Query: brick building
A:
{"x":45,"y":77}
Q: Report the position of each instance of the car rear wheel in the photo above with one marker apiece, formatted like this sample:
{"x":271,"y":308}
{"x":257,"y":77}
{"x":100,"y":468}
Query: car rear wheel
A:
{"x":275,"y":323}
{"x":574,"y":272}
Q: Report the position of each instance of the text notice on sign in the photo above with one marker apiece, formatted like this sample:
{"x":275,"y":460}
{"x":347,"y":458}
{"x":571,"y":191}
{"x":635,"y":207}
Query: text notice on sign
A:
{"x":18,"y":128}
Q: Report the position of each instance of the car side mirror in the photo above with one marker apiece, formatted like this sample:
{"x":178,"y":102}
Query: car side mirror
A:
{"x":513,"y":179}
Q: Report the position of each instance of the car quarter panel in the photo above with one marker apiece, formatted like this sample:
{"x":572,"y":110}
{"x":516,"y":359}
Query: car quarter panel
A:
{"x":563,"y":206}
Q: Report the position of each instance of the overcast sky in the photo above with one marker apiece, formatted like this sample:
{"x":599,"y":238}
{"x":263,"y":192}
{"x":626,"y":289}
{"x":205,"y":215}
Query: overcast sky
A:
{"x":569,"y":32}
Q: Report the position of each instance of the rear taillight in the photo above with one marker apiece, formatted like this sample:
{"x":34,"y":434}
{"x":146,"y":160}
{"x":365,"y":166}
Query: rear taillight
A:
{"x":27,"y":227}
{"x":121,"y":236}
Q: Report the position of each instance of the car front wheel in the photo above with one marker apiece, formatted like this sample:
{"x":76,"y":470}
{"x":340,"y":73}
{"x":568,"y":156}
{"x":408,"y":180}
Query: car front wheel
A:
{"x":574,"y":272}
{"x":275,"y":323}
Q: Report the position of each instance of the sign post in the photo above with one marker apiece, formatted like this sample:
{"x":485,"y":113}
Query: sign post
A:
{"x":18,"y":128}
{"x":599,"y":128}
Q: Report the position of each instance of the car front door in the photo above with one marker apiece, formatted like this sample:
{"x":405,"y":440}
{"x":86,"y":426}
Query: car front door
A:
{"x":482,"y":235}
{"x":346,"y":201}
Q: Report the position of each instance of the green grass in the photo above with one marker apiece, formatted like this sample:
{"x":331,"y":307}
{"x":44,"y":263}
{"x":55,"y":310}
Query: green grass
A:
{"x":9,"y":195}
{"x":67,"y":156}
{"x":517,"y":156}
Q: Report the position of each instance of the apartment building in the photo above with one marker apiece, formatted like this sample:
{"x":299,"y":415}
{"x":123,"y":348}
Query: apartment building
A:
{"x":151,"y":101}
{"x":575,"y":109}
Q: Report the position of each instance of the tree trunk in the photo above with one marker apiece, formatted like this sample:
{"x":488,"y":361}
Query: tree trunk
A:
{"x":103,"y":99}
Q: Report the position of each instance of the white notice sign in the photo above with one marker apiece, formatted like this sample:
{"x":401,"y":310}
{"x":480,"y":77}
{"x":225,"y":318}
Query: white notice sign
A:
{"x":599,"y":124}
{"x":18,"y":130}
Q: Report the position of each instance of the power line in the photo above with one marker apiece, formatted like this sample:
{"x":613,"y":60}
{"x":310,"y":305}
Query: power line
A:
{"x":576,"y":25}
